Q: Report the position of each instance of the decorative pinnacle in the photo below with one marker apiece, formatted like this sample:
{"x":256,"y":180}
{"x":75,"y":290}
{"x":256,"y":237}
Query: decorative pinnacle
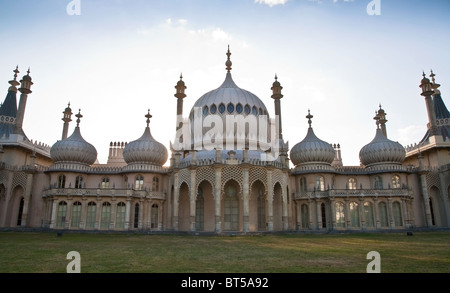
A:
{"x":78,"y":117}
{"x":432,"y":75}
{"x":148,"y":116}
{"x":434,"y":85}
{"x":14,"y":82}
{"x":309,"y":116}
{"x":228,"y":63}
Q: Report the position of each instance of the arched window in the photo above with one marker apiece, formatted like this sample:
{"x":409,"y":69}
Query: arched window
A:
{"x":120,"y":215}
{"x":139,"y":182}
{"x":378,"y":182}
{"x":221,"y":108}
{"x":247,"y":109}
{"x":368,"y":214}
{"x":205,"y":110}
{"x":62,"y":181}
{"x":305,"y":216}
{"x":230,"y":108}
{"x":154,"y":218}
{"x":303,"y":184}
{"x":260,"y":111}
{"x":199,"y":211}
{"x":61,"y":214}
{"x":76,"y":215}
{"x":324,"y":215}
{"x":255,"y":111}
{"x":105,"y":182}
{"x":79,"y":182}
{"x":382,"y":209}
{"x":91,"y":212}
{"x":136,"y":216}
{"x":106,"y":215}
{"x":155,"y":184}
{"x":239,"y":108}
{"x":213,"y":109}
{"x":352,"y":183}
{"x":396,"y":181}
{"x":354,"y":214}
{"x":320,"y":183}
{"x":397,"y":211}
{"x":340,"y":215}
{"x":20,"y":213}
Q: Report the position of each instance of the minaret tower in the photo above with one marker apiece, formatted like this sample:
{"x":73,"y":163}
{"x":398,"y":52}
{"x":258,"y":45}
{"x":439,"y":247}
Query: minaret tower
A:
{"x":66,"y":118}
{"x":427,"y":91}
{"x":180,"y":95}
{"x":276,"y":95}
{"x":25,"y":90}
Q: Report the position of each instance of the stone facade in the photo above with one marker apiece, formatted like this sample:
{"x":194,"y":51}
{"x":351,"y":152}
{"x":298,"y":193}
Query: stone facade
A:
{"x":223,"y":189}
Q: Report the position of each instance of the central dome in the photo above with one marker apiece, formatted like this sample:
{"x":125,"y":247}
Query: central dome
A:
{"x":229,"y":99}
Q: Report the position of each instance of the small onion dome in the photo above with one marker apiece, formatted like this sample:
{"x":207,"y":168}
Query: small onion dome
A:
{"x":381,"y":150}
{"x":74,"y":149}
{"x":312,"y":149}
{"x":145,"y":150}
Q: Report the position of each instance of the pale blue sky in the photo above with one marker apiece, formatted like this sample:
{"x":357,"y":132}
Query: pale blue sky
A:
{"x":119,"y":58}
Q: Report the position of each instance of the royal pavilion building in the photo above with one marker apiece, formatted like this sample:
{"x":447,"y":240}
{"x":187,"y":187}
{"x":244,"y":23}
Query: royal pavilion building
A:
{"x":236,"y":175}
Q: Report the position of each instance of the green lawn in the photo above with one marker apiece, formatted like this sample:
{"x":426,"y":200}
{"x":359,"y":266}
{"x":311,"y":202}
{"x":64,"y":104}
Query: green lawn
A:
{"x":29,"y":252}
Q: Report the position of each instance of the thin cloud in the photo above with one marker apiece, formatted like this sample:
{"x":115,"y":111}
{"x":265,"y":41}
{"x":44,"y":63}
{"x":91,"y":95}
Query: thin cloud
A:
{"x":271,"y":2}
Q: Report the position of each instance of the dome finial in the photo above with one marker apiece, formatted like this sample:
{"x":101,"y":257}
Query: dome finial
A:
{"x":148,"y":116}
{"x":309,"y":116}
{"x":228,"y":63}
{"x":14,"y":83}
{"x":78,"y":117}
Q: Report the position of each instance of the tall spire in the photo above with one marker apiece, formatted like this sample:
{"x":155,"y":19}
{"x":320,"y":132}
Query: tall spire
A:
{"x":67,"y":117}
{"x":228,"y":63}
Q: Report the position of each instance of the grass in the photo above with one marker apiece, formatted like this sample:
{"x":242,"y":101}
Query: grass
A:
{"x":29,"y":252}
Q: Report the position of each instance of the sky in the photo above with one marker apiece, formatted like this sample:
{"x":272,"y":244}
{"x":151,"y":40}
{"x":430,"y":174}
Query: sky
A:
{"x":115,"y":59}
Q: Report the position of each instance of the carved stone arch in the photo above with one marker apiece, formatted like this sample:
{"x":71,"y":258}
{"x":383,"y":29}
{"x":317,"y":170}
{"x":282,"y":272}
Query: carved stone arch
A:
{"x":256,"y":182}
{"x":184,"y":176}
{"x":232,"y":172}
{"x":205,"y":174}
{"x":255,"y":174}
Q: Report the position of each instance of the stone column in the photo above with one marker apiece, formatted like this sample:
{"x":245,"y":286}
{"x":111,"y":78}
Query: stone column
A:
{"x":98,"y":214}
{"x":127,"y":214}
{"x":377,"y":213}
{"x":405,"y":216}
{"x":285,"y":207}
{"x":445,"y":198}
{"x":310,"y":214}
{"x":193,"y":197}
{"x":245,"y":188}
{"x":176,"y":196}
{"x":391,"y":214}
{"x":318,"y":214}
{"x":269,"y":201}
{"x":26,"y":198}
{"x":218,"y":198}
{"x":362,"y":215}
{"x":348,"y":220}
{"x":53,"y":215}
{"x":141,"y":213}
{"x":426,"y":200}
{"x":68,"y":214}
{"x":83,"y":213}
{"x":112,"y":222}
{"x":333,"y":214}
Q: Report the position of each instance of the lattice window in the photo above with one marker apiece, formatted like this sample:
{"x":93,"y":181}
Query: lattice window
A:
{"x":184,"y":176}
{"x":4,"y":176}
{"x":205,"y":173}
{"x":257,"y":173}
{"x":19,"y":179}
{"x":232,"y":172}
{"x":433,"y":180}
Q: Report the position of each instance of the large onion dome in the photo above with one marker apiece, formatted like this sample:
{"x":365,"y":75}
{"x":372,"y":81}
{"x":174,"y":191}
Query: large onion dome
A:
{"x":74,"y":149}
{"x":381,"y":150}
{"x":145,"y":150}
{"x":312,"y":150}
